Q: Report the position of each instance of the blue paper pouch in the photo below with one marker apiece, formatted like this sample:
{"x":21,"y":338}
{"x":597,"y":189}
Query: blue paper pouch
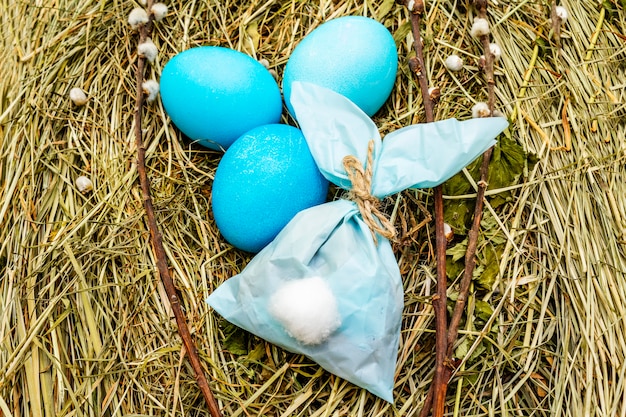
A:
{"x":329,"y":286}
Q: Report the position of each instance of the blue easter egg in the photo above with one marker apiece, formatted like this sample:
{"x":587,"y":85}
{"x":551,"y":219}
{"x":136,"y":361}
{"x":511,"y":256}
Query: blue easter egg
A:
{"x":214,"y":95}
{"x":353,"y":55}
{"x":264,"y":179}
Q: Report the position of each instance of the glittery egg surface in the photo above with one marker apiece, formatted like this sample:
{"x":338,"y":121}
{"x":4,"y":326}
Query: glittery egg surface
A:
{"x":263,"y":180}
{"x":353,"y":55}
{"x":215,"y":94}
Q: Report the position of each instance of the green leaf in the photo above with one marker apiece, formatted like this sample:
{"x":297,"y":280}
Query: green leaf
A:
{"x":384,"y":8}
{"x":453,"y":269}
{"x":506,"y":166}
{"x":611,"y":10}
{"x":488,"y":268}
{"x":253,"y":37}
{"x":482,"y":310}
{"x":463,"y":348}
{"x":235,"y":339}
{"x":458,"y":184}
{"x":491,"y":229}
{"x":458,"y":214}
{"x":478,"y":272}
{"x":457,"y":251}
{"x":401,"y":32}
{"x":257,"y":353}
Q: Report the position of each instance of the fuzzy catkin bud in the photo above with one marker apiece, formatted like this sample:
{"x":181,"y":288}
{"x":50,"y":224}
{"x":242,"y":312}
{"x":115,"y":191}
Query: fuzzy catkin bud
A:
{"x":159,"y":10}
{"x":447,"y":232}
{"x":137,"y":17}
{"x":84,"y":184}
{"x":148,"y":50}
{"x":495,"y":50}
{"x":454,"y":63}
{"x":265,"y":63}
{"x":434,"y":93}
{"x":78,"y":96}
{"x":498,"y":113}
{"x":480,"y":27}
{"x":561,"y":13}
{"x":480,"y":109}
{"x":151,"y":89}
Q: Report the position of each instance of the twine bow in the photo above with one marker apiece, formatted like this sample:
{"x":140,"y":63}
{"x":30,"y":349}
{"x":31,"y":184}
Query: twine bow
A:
{"x":361,"y":179}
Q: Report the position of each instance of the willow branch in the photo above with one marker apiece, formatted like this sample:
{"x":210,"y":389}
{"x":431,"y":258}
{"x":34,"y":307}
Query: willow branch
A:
{"x":481,"y":7}
{"x":155,"y":234}
{"x":440,"y":380}
{"x":417,"y":63}
{"x":470,"y":253}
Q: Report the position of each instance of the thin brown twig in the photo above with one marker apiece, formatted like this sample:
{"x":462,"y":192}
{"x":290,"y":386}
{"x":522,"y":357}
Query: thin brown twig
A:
{"x":442,"y":372}
{"x":470,"y":254}
{"x":417,"y":63}
{"x":155,"y":234}
{"x":440,"y":380}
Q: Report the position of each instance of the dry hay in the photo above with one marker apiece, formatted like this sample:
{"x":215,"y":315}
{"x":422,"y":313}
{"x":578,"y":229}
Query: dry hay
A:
{"x":84,"y":330}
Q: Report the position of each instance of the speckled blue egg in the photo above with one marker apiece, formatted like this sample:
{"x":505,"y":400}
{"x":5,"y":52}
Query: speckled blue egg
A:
{"x":264,"y":179}
{"x":214,"y":95}
{"x":353,"y":55}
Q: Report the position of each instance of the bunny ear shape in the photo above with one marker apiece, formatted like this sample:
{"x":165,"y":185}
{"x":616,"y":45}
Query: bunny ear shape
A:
{"x":418,"y":156}
{"x":426,"y":155}
{"x":334,"y":127}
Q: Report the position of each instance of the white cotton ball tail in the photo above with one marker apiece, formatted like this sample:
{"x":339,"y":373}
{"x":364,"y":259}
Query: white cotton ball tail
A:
{"x":307,"y":308}
{"x":78,"y":96}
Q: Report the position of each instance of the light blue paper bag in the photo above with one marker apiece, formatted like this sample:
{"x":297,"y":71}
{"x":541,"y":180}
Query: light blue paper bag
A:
{"x":324,"y":288}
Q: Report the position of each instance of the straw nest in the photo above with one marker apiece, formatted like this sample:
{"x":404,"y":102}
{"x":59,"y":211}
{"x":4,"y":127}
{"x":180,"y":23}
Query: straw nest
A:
{"x":84,"y":328}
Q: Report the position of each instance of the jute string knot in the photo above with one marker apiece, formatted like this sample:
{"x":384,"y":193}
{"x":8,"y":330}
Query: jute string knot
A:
{"x":361,"y":194}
